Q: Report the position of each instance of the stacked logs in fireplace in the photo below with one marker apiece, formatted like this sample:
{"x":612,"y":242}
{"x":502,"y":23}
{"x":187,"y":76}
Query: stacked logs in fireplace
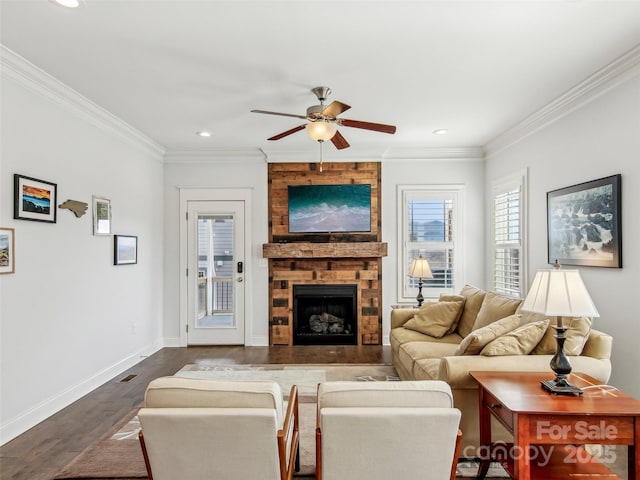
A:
{"x":325,"y":314}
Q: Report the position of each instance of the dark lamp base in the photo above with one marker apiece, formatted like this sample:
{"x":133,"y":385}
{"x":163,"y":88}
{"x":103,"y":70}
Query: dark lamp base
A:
{"x":560,"y":387}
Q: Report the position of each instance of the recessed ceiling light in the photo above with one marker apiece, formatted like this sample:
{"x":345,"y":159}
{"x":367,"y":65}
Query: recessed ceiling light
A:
{"x":67,"y":3}
{"x":204,"y":134}
{"x":440,"y":131}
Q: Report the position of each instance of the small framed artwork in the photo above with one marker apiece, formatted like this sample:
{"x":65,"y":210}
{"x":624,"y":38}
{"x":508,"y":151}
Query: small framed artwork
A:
{"x":101,"y":216}
{"x":584,"y":224}
{"x":34,"y":199}
{"x":7,"y":251}
{"x":125,"y":249}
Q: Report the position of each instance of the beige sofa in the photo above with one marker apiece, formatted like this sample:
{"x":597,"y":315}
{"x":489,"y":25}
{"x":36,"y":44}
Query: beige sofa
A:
{"x":483,"y":338}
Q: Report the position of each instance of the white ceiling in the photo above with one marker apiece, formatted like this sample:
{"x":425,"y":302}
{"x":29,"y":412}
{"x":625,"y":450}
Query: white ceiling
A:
{"x":171,"y":68}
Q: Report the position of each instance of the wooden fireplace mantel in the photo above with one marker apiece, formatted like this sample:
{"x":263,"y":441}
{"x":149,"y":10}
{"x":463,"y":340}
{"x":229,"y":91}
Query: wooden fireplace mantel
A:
{"x":324,"y":250}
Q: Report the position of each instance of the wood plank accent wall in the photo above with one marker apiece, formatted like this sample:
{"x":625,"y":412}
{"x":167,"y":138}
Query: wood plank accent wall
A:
{"x":336,"y":258}
{"x":281,"y":175}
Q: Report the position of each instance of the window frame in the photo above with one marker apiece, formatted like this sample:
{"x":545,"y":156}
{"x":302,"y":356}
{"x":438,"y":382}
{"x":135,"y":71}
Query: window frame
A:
{"x":501,"y":186}
{"x":405,"y":193}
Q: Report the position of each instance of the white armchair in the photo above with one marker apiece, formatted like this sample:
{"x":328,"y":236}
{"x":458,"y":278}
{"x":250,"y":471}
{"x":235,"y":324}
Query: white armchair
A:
{"x":196,"y":429}
{"x":384,"y":430}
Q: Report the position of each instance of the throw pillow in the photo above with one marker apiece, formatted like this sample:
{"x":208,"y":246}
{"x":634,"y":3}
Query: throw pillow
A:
{"x":434,"y":318}
{"x":494,"y":307}
{"x":454,"y":298}
{"x":473,"y":343}
{"x":520,"y":341}
{"x":577,"y":334}
{"x":473,"y":301}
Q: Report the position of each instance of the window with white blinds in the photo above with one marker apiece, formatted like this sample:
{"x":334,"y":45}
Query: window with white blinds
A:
{"x":429,"y":229}
{"x":508,"y":236}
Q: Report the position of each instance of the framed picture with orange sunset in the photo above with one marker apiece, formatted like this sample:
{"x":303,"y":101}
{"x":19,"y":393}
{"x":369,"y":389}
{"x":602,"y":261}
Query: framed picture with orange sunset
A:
{"x":34,"y":199}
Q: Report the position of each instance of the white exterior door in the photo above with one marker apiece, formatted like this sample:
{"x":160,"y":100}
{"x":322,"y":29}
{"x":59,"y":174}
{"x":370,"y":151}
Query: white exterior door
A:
{"x":215,"y":272}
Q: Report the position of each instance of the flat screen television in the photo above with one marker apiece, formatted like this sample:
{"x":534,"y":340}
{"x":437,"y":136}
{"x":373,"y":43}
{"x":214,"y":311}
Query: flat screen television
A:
{"x":329,"y":208}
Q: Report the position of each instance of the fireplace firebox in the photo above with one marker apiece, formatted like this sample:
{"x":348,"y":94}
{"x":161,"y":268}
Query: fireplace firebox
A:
{"x":325,"y":314}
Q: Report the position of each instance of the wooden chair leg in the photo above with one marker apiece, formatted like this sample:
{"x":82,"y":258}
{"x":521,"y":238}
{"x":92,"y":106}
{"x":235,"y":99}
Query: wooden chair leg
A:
{"x":318,"y":454}
{"x":456,"y":455}
{"x":145,"y":455}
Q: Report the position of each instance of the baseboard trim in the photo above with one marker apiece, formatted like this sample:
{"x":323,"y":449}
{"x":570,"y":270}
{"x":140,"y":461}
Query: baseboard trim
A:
{"x":30,"y":418}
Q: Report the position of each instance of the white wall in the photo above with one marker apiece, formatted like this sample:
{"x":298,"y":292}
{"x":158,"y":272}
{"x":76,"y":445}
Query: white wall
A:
{"x":220,"y":171}
{"x":69,"y":319}
{"x":600,"y":139}
{"x":466,"y":172}
{"x":247,"y":171}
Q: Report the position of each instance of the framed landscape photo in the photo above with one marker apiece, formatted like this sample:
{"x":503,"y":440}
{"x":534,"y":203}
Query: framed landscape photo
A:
{"x":7,"y":251}
{"x":34,"y":199}
{"x":125,"y":249}
{"x":584,"y":224}
{"x":101,"y":216}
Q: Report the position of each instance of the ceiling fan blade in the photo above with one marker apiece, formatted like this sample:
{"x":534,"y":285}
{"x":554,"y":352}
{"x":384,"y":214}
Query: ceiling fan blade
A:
{"x":288,"y":132}
{"x":279,"y":113}
{"x":334,"y":109}
{"x":378,"y":127}
{"x":339,"y":141}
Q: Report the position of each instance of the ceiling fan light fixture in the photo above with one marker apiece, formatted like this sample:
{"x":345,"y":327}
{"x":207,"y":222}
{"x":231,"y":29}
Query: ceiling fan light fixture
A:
{"x":67,"y":3}
{"x":321,"y":130}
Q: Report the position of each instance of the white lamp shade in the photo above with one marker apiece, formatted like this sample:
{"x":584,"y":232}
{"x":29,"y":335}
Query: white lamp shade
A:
{"x":321,"y":131}
{"x":560,"y":293}
{"x":420,"y":268}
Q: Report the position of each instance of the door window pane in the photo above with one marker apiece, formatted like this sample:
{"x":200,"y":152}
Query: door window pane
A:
{"x":215,"y":271}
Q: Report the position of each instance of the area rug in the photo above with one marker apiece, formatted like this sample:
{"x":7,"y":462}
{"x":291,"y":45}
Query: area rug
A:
{"x":118,"y":456}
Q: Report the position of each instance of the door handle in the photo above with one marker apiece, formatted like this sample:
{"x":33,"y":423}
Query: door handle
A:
{"x":240,"y":267}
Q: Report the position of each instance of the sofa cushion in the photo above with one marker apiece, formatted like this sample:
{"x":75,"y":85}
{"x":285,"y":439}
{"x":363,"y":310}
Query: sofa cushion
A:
{"x":473,"y":343}
{"x":520,"y":341}
{"x":577,"y":334}
{"x":494,"y":307}
{"x":454,"y":298}
{"x":400,"y":336}
{"x":426,"y":369}
{"x":409,"y":353}
{"x":420,"y":350}
{"x":473,"y":301}
{"x":435,"y":318}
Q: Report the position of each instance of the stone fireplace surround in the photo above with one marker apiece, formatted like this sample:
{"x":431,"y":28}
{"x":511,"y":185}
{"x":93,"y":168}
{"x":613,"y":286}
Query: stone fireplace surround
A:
{"x":331,"y":259}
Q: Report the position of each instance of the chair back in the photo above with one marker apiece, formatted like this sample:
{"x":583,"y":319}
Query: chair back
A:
{"x":202,"y":429}
{"x":383,"y":430}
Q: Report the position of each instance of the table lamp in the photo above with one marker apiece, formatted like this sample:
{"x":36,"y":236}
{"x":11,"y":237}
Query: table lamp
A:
{"x":563,"y":294}
{"x":420,"y":269}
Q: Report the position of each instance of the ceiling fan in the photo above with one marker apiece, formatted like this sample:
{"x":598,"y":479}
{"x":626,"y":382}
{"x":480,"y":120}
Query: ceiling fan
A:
{"x":323,"y":121}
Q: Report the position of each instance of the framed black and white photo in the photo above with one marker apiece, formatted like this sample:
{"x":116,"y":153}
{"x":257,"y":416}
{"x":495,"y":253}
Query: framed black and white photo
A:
{"x":125,"y":249}
{"x":34,"y":199}
{"x":101,"y":216}
{"x":584,"y":224}
{"x":7,"y":250}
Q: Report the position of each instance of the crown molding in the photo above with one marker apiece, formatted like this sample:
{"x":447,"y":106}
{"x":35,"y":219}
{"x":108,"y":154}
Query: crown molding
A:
{"x":329,"y":154}
{"x":220,"y":155}
{"x":432,"y":153}
{"x":619,"y":71}
{"x":23,"y":72}
{"x":369,"y":154}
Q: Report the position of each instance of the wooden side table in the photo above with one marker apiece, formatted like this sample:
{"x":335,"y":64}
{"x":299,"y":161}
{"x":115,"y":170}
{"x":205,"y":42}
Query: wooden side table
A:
{"x":550,"y":431}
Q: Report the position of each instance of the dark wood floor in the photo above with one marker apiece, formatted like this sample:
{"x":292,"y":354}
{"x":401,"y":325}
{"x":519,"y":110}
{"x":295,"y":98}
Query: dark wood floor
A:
{"x":46,"y":448}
